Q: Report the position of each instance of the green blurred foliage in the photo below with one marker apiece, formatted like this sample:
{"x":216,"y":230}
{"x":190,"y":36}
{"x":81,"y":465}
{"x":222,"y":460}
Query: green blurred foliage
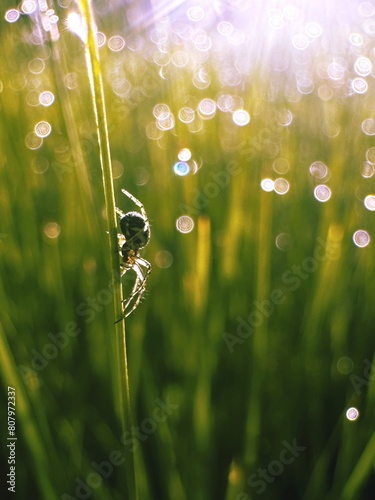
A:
{"x":236,"y":392}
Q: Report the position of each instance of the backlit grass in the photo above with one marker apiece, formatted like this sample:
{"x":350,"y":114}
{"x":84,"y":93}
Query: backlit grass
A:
{"x":257,"y":326}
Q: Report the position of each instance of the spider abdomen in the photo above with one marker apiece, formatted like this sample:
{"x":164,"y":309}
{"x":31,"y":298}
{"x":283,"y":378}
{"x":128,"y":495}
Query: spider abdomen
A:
{"x":135,"y":229}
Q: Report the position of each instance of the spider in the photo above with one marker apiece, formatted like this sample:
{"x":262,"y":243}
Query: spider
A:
{"x":136,"y":233}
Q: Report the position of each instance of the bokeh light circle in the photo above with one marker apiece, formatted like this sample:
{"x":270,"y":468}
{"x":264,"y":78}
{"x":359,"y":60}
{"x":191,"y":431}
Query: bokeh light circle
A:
{"x":267,"y":185}
{"x":46,"y":98}
{"x":352,"y":414}
{"x":52,"y":230}
{"x":368,"y":126}
{"x":186,"y":115}
{"x":163,"y":259}
{"x":369,"y":202}
{"x":116,"y":43}
{"x":359,"y":86}
{"x":43,"y":129}
{"x":241,"y":117}
{"x":184,"y":154}
{"x":319,"y":170}
{"x":345,"y":365}
{"x":184,"y":224}
{"x":12,"y":15}
{"x":367,"y":170}
{"x":322,"y":193}
{"x":281,"y":186}
{"x":281,"y":165}
{"x":361,"y":238}
{"x":181,"y":168}
{"x":370,"y":155}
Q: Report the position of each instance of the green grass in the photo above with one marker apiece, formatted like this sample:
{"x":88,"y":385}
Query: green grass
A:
{"x":227,"y":414}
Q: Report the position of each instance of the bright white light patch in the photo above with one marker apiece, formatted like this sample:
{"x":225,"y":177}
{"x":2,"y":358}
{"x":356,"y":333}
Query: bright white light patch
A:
{"x":184,"y":154}
{"x":370,"y":202}
{"x":241,"y":117}
{"x":267,"y":185}
{"x":361,"y":238}
{"x":76,"y":24}
{"x":46,"y":98}
{"x":352,"y":414}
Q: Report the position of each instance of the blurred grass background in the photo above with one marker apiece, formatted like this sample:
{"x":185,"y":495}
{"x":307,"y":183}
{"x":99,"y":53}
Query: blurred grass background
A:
{"x":294,"y":378}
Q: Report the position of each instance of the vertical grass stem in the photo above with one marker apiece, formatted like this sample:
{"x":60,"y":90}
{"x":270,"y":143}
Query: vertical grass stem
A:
{"x":97,"y":93}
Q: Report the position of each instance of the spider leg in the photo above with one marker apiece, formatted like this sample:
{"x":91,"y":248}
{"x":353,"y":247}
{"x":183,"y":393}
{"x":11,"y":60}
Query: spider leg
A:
{"x":137,"y":292}
{"x":120,"y":212}
{"x":139,"y":287}
{"x":137,"y":202}
{"x":135,"y":289}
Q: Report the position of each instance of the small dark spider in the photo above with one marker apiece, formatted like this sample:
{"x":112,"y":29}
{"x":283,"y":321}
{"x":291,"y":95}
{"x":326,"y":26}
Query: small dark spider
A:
{"x":136,"y":233}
